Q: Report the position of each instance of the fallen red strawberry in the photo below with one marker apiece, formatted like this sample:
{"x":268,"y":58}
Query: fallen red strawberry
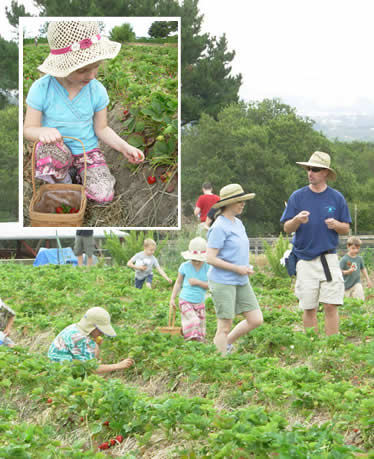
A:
{"x":104,"y":445}
{"x":113,"y":442}
{"x":59,"y":210}
{"x":106,"y":423}
{"x":119,"y":438}
{"x":151,"y":179}
{"x":49,"y":400}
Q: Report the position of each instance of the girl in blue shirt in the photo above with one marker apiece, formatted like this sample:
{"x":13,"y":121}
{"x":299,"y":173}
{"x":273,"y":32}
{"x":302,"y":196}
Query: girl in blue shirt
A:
{"x":192,"y":283}
{"x":69,"y":101}
{"x":228,"y":255}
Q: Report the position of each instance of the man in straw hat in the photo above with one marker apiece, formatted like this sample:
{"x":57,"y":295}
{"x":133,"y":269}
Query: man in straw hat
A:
{"x":317,"y":214}
{"x":81,"y":341}
{"x":228,"y":255}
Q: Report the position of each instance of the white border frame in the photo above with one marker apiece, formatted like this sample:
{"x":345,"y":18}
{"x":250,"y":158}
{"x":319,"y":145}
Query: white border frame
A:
{"x":22,"y":23}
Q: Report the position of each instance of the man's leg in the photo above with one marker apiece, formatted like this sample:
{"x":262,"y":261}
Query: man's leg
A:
{"x":331,"y":319}
{"x":310,"y":319}
{"x":253,"y":319}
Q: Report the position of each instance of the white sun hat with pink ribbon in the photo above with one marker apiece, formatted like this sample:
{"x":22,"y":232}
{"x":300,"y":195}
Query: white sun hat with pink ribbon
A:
{"x":75,"y":44}
{"x":196,"y":250}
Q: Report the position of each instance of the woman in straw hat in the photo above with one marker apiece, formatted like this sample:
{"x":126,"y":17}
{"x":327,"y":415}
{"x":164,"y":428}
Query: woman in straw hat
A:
{"x":228,"y":255}
{"x":69,"y":101}
{"x":192,"y":283}
{"x":81,"y":341}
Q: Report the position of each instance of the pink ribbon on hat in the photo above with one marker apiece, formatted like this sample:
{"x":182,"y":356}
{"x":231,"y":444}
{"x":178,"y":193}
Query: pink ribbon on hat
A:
{"x":83,"y":44}
{"x":199,"y":251}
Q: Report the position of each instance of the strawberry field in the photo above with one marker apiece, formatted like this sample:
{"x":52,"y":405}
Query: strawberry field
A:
{"x":142,"y":84}
{"x":282,"y":393}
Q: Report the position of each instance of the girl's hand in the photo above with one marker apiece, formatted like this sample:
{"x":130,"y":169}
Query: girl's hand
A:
{"x":127,"y":363}
{"x":172,"y":304}
{"x":50,"y":135}
{"x":133,"y":155}
{"x":192,"y":281}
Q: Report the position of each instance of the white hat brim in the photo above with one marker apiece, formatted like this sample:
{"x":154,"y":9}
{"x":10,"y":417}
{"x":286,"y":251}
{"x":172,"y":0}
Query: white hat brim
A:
{"x":187,"y":255}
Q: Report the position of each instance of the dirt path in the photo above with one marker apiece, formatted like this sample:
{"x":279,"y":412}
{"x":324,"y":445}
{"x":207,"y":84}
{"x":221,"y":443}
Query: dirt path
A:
{"x":135,"y":204}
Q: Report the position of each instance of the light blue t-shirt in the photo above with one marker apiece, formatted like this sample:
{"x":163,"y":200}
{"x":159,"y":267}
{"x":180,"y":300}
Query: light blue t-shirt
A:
{"x":71,"y":117}
{"x":232,"y":241}
{"x":313,"y":238}
{"x":193,"y":293}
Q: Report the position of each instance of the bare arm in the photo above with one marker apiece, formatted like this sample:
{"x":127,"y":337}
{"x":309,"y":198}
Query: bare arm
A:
{"x":163,"y":274}
{"x":339,"y":227}
{"x":9,"y":326}
{"x":108,"y":368}
{"x":198,"y":282}
{"x":108,"y":136}
{"x":290,"y":226}
{"x":366,"y":275}
{"x":213,"y":260}
{"x":176,"y":289}
{"x":33,"y":130}
{"x":197,"y":211}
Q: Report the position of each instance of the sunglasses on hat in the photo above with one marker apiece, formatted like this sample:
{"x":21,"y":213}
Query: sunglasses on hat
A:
{"x":315,"y":169}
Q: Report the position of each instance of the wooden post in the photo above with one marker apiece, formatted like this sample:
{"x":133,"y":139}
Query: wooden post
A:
{"x":355,"y":219}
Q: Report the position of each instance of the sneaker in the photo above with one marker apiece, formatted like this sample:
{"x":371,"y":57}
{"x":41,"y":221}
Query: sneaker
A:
{"x":230,"y":349}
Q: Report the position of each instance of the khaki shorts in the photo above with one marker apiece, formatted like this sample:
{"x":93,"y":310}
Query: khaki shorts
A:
{"x":84,"y":244}
{"x":357,"y":291}
{"x":311,"y":286}
{"x":231,"y":300}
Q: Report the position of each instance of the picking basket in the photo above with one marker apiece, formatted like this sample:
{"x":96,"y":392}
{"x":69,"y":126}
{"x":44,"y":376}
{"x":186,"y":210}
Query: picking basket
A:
{"x":50,"y":196}
{"x":171,"y":329}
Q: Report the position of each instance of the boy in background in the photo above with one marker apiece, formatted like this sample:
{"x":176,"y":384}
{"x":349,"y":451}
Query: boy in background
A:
{"x":143,"y":262}
{"x":352,"y":265}
{"x":7,"y":316}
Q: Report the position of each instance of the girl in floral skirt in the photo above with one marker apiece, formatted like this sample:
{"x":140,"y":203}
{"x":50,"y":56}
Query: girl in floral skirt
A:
{"x":192,"y":283}
{"x":69,"y":101}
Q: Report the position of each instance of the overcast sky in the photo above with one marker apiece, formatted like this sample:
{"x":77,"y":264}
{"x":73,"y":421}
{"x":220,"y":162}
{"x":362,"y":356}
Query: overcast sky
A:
{"x":316,"y":55}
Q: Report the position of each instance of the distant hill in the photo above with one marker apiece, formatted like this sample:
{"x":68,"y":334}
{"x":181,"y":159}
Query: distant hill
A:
{"x":346,"y":127}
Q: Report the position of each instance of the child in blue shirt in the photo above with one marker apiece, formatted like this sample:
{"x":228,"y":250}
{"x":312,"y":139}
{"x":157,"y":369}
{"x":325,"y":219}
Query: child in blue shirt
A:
{"x":192,"y":283}
{"x":69,"y":101}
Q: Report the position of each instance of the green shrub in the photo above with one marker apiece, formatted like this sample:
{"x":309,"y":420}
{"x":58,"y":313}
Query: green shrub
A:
{"x":274,"y":253}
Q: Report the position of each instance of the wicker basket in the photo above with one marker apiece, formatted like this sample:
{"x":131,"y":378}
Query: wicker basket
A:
{"x":171,"y":329}
{"x":48,"y":197}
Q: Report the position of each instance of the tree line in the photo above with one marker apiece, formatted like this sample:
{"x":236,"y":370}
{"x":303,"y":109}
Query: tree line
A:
{"x":257,"y":145}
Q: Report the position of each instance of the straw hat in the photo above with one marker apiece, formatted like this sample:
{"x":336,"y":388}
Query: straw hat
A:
{"x":75,"y":44}
{"x":320,"y":159}
{"x":196,"y":250}
{"x":96,"y":318}
{"x":230,"y":194}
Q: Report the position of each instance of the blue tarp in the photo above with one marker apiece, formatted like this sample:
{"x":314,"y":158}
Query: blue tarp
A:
{"x":55,"y":257}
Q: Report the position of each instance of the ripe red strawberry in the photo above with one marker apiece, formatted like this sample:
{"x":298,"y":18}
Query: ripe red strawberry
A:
{"x":151,"y":179}
{"x":355,"y":430}
{"x":81,"y":419}
{"x":106,"y":423}
{"x":49,"y":400}
{"x":104,"y":445}
{"x":125,"y":112}
{"x":239,"y":383}
{"x":113,"y":442}
{"x":59,"y":210}
{"x":119,"y":438}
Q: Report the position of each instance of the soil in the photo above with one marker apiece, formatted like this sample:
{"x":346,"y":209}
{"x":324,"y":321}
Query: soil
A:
{"x":135,"y":203}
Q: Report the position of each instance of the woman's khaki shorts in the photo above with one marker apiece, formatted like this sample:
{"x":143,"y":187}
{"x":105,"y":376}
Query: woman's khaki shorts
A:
{"x":231,"y":300}
{"x":311,"y":286}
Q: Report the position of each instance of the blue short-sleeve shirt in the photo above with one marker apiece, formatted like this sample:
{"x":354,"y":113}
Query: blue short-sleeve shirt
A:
{"x":232,"y":241}
{"x":71,"y":117}
{"x":193,"y":293}
{"x":313,"y":238}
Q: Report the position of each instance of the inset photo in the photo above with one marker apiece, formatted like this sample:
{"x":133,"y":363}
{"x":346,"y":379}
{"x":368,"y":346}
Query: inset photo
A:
{"x":101,"y":122}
